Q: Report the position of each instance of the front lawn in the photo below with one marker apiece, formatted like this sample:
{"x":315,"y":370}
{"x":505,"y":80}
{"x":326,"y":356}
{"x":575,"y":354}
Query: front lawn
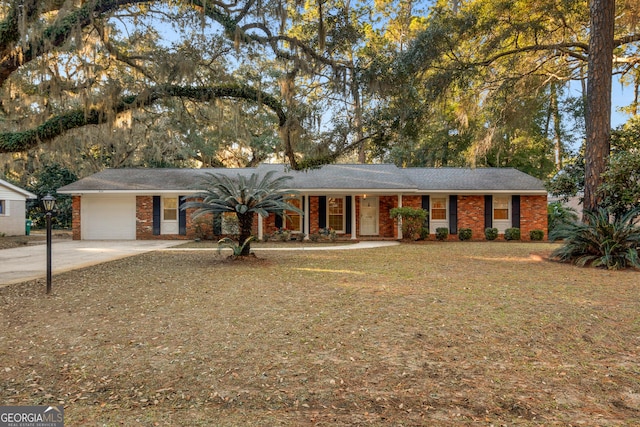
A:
{"x":434,"y":334}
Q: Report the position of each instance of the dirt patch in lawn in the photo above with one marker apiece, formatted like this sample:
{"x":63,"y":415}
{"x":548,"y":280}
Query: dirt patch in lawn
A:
{"x":442,"y":334}
{"x":37,"y":237}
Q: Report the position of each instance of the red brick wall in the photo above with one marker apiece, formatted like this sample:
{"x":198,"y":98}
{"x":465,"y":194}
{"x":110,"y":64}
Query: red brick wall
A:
{"x":471,"y":215}
{"x":76,"y":211}
{"x":144,"y":218}
{"x":533,"y":215}
{"x":388,"y":227}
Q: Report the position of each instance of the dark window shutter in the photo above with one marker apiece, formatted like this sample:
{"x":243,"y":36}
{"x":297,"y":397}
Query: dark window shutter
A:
{"x":279,"y":221}
{"x":453,"y":214}
{"x":217,"y":224}
{"x":156,"y":215}
{"x":488,"y":211}
{"x":347,"y":210}
{"x":322,"y":211}
{"x":426,"y":207}
{"x":515,"y":211}
{"x":182,"y":217}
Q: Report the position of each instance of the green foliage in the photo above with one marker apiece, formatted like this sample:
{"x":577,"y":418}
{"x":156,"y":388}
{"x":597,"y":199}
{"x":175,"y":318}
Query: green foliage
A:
{"x":620,"y":190}
{"x":412,"y":220}
{"x":442,"y":233}
{"x":424,"y":233}
{"x":47,"y":181}
{"x":244,"y":196}
{"x":600,"y":242}
{"x":282,"y":235}
{"x":512,"y":234}
{"x":536,"y":235}
{"x":559,"y":215}
{"x":465,"y":234}
{"x":328,"y":233}
{"x":238,"y":249}
{"x":569,"y":181}
{"x":491,"y":233}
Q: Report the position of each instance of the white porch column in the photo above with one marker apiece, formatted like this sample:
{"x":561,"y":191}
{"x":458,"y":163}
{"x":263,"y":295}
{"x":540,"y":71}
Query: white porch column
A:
{"x":399,"y":218}
{"x":260,"y":227}
{"x":306,"y":224}
{"x":353,"y":217}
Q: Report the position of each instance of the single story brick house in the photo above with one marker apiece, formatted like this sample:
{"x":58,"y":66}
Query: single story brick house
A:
{"x":352,"y":199}
{"x":13,"y":202}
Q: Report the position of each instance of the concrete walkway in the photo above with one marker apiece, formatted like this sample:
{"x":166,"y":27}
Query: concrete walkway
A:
{"x":30,"y":262}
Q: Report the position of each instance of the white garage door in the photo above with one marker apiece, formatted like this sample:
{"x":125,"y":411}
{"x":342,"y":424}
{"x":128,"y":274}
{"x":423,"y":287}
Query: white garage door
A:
{"x":108,"y":218}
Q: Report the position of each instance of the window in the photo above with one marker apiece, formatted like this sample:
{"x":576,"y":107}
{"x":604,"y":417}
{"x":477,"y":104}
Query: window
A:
{"x":439,"y":208}
{"x":3,"y":207}
{"x":170,"y":209}
{"x":501,"y":208}
{"x":293,"y":220}
{"x":335,"y":213}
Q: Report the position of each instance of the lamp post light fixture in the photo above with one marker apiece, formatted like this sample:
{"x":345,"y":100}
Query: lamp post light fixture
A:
{"x":49,"y":203}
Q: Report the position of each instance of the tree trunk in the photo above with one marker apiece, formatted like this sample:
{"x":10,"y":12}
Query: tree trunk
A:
{"x":598,"y":123}
{"x":246,"y":224}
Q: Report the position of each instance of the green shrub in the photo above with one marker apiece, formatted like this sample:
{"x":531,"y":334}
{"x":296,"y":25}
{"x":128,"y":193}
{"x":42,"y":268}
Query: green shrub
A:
{"x":314,"y":237}
{"x":559,"y":215}
{"x":600,"y":242}
{"x":442,"y":233}
{"x":465,"y":234}
{"x":300,"y":237}
{"x":512,"y":234}
{"x":536,"y":235}
{"x":412,"y":220}
{"x":491,"y":233}
{"x":424,"y":233}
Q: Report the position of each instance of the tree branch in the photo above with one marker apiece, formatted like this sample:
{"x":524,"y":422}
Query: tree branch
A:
{"x":11,"y":142}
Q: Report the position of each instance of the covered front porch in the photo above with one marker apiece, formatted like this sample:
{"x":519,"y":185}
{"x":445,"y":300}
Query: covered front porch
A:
{"x":350,"y":215}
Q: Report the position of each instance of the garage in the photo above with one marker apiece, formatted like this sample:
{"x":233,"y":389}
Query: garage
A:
{"x":108,"y":218}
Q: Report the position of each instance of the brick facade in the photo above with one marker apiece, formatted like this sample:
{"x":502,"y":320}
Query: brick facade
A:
{"x":76,"y":226}
{"x":533,"y":216}
{"x":471,"y":215}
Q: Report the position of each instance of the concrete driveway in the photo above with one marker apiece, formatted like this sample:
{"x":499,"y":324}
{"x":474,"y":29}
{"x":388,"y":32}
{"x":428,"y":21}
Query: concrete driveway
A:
{"x":30,"y":262}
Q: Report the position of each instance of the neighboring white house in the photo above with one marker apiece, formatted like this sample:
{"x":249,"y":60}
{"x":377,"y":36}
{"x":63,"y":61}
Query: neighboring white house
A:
{"x":13,"y":208}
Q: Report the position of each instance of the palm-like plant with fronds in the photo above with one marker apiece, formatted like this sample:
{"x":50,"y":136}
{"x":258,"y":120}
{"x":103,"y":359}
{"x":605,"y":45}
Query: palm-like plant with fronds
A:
{"x":244,"y":196}
{"x":599,"y":241}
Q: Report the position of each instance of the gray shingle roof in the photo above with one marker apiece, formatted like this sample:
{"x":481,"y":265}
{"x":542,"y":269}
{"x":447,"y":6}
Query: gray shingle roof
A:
{"x":380,"y":177}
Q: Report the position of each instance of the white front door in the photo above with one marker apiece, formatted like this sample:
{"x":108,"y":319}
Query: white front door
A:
{"x":169,"y":223}
{"x":369,"y":216}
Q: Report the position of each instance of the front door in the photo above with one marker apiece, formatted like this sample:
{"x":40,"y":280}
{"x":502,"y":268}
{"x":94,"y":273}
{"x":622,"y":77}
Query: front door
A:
{"x":369,"y":216}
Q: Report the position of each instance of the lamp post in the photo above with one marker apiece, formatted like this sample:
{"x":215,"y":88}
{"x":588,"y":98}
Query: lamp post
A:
{"x":49,"y":203}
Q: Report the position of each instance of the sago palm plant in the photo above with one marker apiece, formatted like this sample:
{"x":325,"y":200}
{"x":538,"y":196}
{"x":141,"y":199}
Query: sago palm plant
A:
{"x":246,"y":197}
{"x":600,"y":242}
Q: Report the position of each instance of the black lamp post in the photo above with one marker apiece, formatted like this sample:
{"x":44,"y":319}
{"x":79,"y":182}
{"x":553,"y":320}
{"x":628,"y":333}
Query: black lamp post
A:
{"x":49,"y":203}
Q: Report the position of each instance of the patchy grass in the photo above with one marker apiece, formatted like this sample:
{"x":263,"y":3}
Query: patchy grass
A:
{"x":37,"y":237}
{"x":441,"y":334}
{"x":292,"y":244}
